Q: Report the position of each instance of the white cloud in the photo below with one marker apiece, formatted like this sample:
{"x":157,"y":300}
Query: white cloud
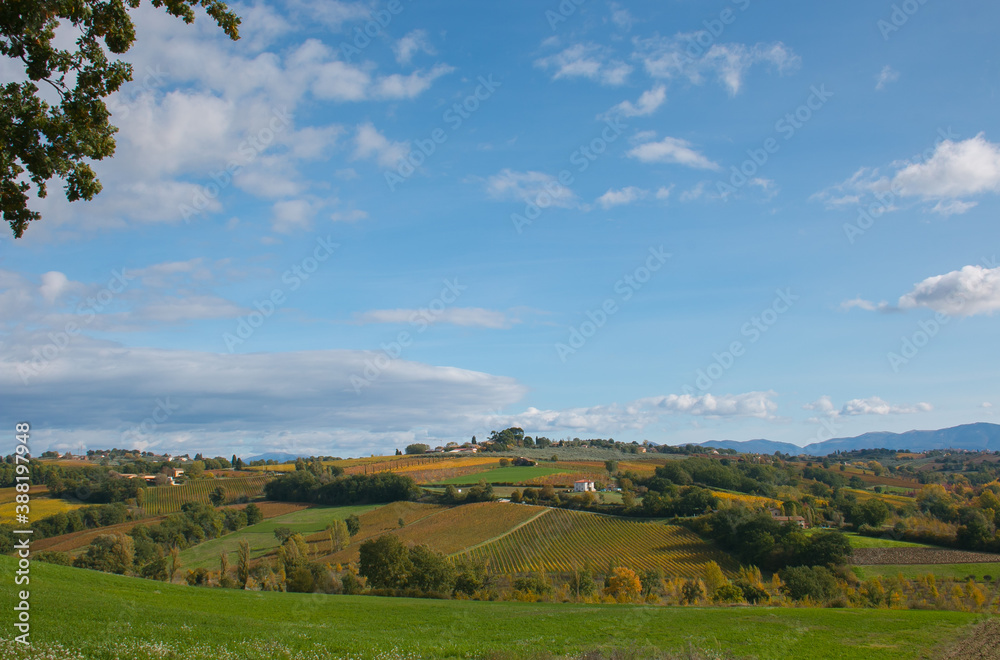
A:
{"x":469,"y":317}
{"x":621,"y":197}
{"x":260,"y":399}
{"x":369,"y":143}
{"x":586,"y":61}
{"x":398,"y":86}
{"x":292,"y":215}
{"x":823,"y":405}
{"x":54,"y":286}
{"x":956,"y":169}
{"x":648,"y":103}
{"x":861,"y":303}
{"x":348,"y":216}
{"x":663,"y":192}
{"x":877,"y":406}
{"x":694,"y":193}
{"x":531,"y":187}
{"x":967,"y":292}
{"x":886,"y":75}
{"x":672,"y":150}
{"x":643,"y":412}
{"x":871,"y":406}
{"x":944,"y":174}
{"x":621,"y":17}
{"x":197,"y":100}
{"x":953,"y":207}
{"x":985,"y":404}
{"x":332,"y":13}
{"x":412,"y":43}
{"x":670,"y":57}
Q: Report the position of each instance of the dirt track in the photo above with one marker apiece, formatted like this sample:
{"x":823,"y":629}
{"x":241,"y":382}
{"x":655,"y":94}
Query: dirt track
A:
{"x":875,"y":556}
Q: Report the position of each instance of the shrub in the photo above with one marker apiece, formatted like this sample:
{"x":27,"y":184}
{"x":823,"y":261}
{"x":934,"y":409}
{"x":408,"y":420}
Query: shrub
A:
{"x":728,"y":593}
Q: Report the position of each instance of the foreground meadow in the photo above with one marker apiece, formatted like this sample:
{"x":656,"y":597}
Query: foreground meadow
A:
{"x":82,"y":614}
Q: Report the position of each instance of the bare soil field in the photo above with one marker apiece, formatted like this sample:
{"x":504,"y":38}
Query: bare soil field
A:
{"x":874,"y":556}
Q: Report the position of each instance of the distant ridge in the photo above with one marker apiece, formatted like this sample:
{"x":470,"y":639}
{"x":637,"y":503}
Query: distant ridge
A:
{"x":274,"y":456}
{"x":971,"y":437}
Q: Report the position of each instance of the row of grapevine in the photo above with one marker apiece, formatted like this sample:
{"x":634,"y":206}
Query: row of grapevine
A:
{"x":562,"y":540}
{"x":750,"y":501}
{"x":163,"y":500}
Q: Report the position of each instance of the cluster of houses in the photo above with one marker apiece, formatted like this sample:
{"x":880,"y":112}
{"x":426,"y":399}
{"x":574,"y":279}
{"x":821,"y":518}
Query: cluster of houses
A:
{"x":172,"y":475}
{"x":453,"y":450}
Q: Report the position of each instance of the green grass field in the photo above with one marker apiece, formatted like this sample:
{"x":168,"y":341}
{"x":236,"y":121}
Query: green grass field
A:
{"x":506,"y":475}
{"x":261,"y":536}
{"x":95,"y":615}
{"x":956,"y":571}
{"x":858,"y":541}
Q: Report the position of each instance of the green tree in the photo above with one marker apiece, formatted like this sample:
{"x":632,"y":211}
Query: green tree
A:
{"x":254,"y":514}
{"x":293,"y":553}
{"x":340,"y":536}
{"x":831,"y":548}
{"x":158,"y":569}
{"x":39,"y":141}
{"x":218,"y":496}
{"x":432,"y":571}
{"x":282,"y":533}
{"x":417,"y":448}
{"x":196,"y":469}
{"x":243,"y":564}
{"x":353,"y":524}
{"x":875,"y":512}
{"x":816,"y":582}
{"x":581,"y":582}
{"x":175,"y":562}
{"x":385,"y":562}
{"x":111,"y":553}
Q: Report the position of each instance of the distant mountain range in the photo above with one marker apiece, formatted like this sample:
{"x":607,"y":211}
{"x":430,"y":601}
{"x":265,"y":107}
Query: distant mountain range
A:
{"x":972,"y":437}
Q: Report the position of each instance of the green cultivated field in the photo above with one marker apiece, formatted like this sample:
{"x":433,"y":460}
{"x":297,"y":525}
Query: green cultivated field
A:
{"x":95,"y":615}
{"x":507,"y":475}
{"x":261,"y":536}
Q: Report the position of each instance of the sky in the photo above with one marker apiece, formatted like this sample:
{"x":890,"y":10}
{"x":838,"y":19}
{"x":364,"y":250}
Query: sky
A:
{"x":365,"y":225}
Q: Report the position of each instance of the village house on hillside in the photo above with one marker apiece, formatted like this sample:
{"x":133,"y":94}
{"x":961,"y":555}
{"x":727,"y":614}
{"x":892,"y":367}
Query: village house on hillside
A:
{"x":583,"y":486}
{"x":778,"y":516}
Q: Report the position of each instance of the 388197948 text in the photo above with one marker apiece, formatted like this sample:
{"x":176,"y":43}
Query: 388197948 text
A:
{"x":23,"y":532}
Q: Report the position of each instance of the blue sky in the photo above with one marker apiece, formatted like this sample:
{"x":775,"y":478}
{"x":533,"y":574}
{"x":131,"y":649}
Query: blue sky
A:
{"x":676,"y":221}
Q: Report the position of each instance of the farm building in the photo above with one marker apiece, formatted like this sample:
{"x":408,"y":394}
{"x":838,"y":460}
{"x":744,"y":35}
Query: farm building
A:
{"x":583,"y":485}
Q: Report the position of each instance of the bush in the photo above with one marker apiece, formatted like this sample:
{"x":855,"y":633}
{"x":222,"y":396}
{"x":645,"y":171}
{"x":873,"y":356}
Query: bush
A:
{"x":197,"y":577}
{"x":728,"y":593}
{"x":50,"y":557}
{"x":535,"y":584}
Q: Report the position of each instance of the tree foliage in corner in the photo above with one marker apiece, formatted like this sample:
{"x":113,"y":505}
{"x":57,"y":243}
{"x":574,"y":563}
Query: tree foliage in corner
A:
{"x":39,"y":141}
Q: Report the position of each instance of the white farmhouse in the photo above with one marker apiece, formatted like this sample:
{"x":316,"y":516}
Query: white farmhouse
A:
{"x":582,"y":486}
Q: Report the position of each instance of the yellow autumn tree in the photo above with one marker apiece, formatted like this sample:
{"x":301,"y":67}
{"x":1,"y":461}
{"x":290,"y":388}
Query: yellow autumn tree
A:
{"x":623,"y":585}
